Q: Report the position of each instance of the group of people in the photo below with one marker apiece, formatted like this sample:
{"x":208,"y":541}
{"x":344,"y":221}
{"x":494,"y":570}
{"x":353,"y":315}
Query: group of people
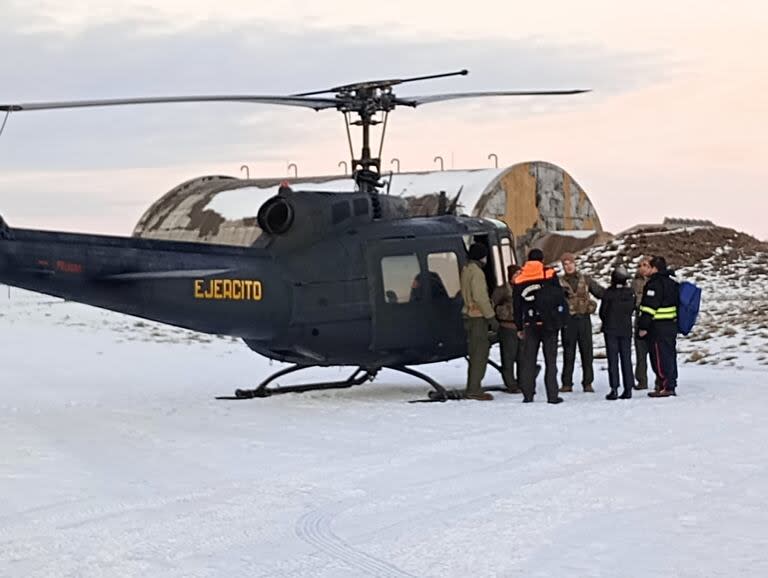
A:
{"x":535,"y":307}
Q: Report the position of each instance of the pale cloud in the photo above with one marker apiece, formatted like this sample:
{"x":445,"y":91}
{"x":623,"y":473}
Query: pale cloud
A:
{"x":113,"y":60}
{"x":676,"y":121}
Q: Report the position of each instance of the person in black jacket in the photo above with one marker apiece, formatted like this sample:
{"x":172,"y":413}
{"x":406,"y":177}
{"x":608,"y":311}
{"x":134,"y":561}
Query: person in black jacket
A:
{"x":616,"y":309}
{"x":535,"y":327}
{"x":658,"y":324}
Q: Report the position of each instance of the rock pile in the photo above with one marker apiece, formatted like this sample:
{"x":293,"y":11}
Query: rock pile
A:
{"x":732,"y":270}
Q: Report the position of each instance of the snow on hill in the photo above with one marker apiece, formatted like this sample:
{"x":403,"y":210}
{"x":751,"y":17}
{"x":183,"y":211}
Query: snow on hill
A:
{"x":732,"y":270}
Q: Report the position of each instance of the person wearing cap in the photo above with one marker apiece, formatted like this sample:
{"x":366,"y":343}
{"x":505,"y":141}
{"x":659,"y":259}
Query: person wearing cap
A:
{"x":578,"y":327}
{"x":534,"y":325}
{"x":479,"y":319}
{"x":658,"y":324}
{"x":509,"y":342}
{"x":616,"y":309}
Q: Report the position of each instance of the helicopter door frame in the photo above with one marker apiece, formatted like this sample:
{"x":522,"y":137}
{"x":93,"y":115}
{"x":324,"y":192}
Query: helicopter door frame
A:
{"x":423,"y":321}
{"x":495,"y":269}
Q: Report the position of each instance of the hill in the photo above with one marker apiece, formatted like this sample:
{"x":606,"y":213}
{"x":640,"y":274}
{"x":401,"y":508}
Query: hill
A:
{"x":730,"y":267}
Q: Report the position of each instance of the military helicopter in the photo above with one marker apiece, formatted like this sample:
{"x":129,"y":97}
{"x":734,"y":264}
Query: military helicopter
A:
{"x":335,"y":279}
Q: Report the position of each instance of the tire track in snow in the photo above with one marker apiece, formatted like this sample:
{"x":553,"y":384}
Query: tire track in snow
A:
{"x":315,"y":529}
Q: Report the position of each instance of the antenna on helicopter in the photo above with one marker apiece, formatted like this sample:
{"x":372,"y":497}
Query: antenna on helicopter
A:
{"x":365,"y":99}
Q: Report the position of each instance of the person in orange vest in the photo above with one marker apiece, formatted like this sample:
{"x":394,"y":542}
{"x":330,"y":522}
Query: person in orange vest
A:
{"x":540,"y":309}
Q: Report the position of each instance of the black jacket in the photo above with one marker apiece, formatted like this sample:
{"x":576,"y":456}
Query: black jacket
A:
{"x":661,"y":292}
{"x":616,"y":309}
{"x":524,"y":287}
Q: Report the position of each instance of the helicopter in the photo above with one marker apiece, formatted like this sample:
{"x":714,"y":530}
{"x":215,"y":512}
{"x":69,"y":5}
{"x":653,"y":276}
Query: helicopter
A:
{"x":335,"y":278}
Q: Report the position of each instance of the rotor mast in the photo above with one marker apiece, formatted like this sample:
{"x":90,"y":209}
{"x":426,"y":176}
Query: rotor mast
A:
{"x":366,"y":99}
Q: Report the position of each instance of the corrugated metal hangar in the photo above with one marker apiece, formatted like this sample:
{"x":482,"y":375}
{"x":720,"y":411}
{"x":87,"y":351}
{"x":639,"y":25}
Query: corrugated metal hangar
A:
{"x":533,"y":198}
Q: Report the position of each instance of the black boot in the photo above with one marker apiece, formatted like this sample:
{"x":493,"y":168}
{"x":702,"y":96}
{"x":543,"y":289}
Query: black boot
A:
{"x":626,"y":394}
{"x":613,"y":394}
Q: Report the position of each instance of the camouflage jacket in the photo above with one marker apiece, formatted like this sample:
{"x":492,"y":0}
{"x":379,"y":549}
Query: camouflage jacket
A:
{"x":504,"y":304}
{"x":579,"y":302}
{"x":638,"y":284}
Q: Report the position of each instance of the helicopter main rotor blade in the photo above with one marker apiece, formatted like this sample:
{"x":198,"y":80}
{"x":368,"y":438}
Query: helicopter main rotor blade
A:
{"x":314,"y":103}
{"x":417,"y":100}
{"x":388,"y":83}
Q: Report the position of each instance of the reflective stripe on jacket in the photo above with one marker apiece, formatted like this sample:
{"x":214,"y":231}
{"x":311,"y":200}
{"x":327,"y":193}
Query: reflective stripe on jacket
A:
{"x":660,"y":300}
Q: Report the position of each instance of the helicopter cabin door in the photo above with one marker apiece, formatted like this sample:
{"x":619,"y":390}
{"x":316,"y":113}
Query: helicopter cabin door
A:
{"x":416,"y":294}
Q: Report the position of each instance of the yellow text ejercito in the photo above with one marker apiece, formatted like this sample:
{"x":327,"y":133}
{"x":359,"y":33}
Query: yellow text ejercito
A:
{"x":231,"y":289}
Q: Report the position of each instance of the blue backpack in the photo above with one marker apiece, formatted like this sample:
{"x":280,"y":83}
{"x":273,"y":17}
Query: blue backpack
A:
{"x":688,"y":308}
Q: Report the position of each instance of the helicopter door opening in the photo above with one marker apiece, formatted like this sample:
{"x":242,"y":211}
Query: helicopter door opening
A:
{"x":495,"y":268}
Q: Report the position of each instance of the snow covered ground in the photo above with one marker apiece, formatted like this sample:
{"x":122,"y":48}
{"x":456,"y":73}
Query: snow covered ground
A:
{"x":115,"y":460}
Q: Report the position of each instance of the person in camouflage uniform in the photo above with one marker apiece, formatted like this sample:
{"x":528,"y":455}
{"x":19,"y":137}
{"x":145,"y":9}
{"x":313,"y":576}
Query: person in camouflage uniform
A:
{"x":479,"y":318}
{"x":578,"y":328}
{"x":509,"y":342}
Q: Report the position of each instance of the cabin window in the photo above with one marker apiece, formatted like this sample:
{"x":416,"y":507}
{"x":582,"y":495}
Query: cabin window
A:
{"x":443,"y":274}
{"x":497,"y":265}
{"x":506,"y":254}
{"x":401,"y":276}
{"x":360,"y":206}
{"x":340,"y":212}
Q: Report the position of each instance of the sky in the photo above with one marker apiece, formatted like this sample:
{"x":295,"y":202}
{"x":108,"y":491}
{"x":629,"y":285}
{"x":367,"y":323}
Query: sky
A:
{"x":676,"y":124}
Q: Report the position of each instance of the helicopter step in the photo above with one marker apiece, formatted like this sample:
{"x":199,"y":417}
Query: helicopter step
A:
{"x":360,"y":376}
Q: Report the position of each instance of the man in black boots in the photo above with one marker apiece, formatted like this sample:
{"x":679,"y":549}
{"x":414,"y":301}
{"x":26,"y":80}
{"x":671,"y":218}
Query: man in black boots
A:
{"x":539,"y":310}
{"x":658,"y":324}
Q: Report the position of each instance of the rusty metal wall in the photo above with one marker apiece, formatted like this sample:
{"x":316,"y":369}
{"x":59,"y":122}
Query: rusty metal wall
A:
{"x":537,"y":198}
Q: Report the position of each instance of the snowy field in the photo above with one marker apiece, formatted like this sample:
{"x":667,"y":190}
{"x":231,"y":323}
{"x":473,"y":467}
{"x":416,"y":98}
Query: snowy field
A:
{"x":115,"y":460}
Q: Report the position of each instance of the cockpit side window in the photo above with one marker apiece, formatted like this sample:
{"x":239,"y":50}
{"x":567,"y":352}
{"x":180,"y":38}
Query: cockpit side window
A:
{"x":443,"y":274}
{"x":401,"y":277}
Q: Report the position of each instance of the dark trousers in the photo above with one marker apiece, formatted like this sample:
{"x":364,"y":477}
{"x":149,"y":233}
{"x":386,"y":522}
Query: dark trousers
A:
{"x":618,"y":349}
{"x":577,"y":331}
{"x":509,"y":343}
{"x":478,"y":347}
{"x":641,"y":361}
{"x":663,"y":348}
{"x":642,"y":351}
{"x":532,"y":338}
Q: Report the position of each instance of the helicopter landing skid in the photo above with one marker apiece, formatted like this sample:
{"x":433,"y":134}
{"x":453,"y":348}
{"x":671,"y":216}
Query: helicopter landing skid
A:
{"x":439,"y":393}
{"x":360,"y":376}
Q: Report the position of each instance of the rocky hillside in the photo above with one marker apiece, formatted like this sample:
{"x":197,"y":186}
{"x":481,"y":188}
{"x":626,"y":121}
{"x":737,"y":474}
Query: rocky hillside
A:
{"x":732,"y":270}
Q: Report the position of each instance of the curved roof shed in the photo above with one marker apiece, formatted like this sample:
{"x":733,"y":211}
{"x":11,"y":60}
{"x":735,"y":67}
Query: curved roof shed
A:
{"x":532,"y":198}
